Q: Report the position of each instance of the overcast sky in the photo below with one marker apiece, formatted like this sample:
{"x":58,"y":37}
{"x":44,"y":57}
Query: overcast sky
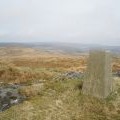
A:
{"x":84,"y":21}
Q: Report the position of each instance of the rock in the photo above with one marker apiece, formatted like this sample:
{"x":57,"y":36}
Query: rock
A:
{"x":73,"y":75}
{"x":9,"y":95}
{"x":5,"y":107}
{"x":118,"y":73}
{"x":69,"y":75}
{"x":14,"y":101}
{"x":5,"y":100}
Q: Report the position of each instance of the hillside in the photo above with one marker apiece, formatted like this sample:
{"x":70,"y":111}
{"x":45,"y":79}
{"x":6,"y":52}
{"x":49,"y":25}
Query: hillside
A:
{"x":52,"y":83}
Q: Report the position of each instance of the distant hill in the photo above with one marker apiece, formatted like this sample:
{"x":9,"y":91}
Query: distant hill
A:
{"x":63,"y":47}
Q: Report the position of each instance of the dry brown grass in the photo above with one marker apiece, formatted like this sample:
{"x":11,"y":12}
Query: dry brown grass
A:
{"x":116,"y":64}
{"x":57,"y":100}
{"x":27,"y":64}
{"x":31,"y":90}
{"x":52,"y":62}
{"x":11,"y":73}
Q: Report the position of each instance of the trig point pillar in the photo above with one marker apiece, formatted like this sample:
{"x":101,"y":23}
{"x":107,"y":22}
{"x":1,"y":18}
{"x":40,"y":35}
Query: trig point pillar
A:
{"x":98,"y":80}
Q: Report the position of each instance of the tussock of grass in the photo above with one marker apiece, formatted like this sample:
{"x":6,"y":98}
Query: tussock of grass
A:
{"x":10,"y":73}
{"x":14,"y":74}
{"x":31,"y":90}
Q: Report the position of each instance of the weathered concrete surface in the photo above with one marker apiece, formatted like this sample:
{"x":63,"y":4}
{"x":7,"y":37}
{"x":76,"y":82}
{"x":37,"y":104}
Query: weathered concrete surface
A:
{"x":98,"y":80}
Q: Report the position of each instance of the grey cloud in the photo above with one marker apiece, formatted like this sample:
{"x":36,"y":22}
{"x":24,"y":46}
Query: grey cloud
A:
{"x":61,"y":20}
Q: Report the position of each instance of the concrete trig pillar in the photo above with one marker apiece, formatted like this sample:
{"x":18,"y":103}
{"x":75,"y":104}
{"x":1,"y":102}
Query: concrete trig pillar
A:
{"x":98,"y":80}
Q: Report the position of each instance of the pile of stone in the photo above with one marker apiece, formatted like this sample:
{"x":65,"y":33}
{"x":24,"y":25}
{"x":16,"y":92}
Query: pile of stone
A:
{"x":118,"y":73}
{"x":69,"y":75}
{"x":9,"y":96}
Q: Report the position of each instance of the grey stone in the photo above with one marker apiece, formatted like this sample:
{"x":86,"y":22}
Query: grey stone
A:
{"x":69,"y":75}
{"x":9,"y":96}
{"x":118,"y":73}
